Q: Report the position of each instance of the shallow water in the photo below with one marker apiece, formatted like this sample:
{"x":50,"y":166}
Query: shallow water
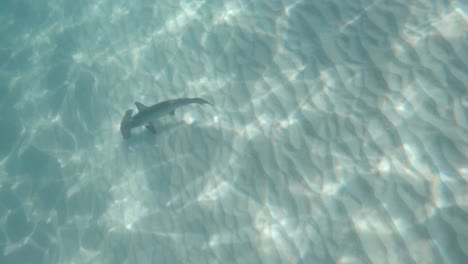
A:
{"x":338,"y":132}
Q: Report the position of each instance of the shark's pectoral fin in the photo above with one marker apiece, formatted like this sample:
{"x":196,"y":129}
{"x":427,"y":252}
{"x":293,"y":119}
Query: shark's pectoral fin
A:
{"x":150,"y":128}
{"x":172,"y":112}
{"x":140,"y":106}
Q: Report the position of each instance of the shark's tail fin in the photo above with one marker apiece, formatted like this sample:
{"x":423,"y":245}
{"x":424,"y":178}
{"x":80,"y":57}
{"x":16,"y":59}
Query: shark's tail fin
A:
{"x":203,"y":102}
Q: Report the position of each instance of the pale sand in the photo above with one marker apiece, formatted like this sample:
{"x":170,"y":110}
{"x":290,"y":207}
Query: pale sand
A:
{"x":338,"y":133}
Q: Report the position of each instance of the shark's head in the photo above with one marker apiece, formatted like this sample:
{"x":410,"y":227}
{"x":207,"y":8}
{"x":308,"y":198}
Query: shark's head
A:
{"x":125,"y":125}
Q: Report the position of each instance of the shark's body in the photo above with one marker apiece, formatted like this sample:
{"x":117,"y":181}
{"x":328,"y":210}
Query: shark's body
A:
{"x":147,"y":114}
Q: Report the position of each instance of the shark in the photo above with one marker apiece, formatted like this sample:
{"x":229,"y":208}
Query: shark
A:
{"x":147,"y":114}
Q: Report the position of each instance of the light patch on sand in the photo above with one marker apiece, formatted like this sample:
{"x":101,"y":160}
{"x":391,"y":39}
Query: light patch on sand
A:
{"x":348,"y":260}
{"x":415,"y":168}
{"x":127,"y":207}
{"x":252,"y":131}
{"x":279,"y":233}
{"x":264,"y":120}
{"x":367,"y":220}
{"x":220,"y":239}
{"x":216,"y":119}
{"x":328,"y":78}
{"x":288,"y":8}
{"x":79,"y":58}
{"x":453,"y":24}
{"x":231,"y":10}
{"x":189,"y":118}
{"x":188,"y":13}
{"x":384,"y":166}
{"x":464,"y":101}
{"x":292,"y":73}
{"x":118,"y":13}
{"x":124,"y":213}
{"x":290,"y":121}
{"x":55,"y":119}
{"x":411,"y":153}
{"x":136,"y":54}
{"x":358,"y":16}
{"x":331,"y":188}
{"x":438,"y":193}
{"x":214,"y":191}
{"x":463,"y":173}
{"x":402,"y":107}
{"x":270,"y":229}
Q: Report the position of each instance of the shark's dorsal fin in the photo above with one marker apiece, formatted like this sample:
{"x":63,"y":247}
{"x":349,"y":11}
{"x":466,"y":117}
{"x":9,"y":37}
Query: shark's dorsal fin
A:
{"x":140,"y":106}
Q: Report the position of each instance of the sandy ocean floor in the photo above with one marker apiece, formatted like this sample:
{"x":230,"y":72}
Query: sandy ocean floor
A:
{"x":338,"y":132}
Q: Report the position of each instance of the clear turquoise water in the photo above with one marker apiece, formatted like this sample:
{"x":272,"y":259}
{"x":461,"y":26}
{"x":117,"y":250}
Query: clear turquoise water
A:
{"x":337,"y":135}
